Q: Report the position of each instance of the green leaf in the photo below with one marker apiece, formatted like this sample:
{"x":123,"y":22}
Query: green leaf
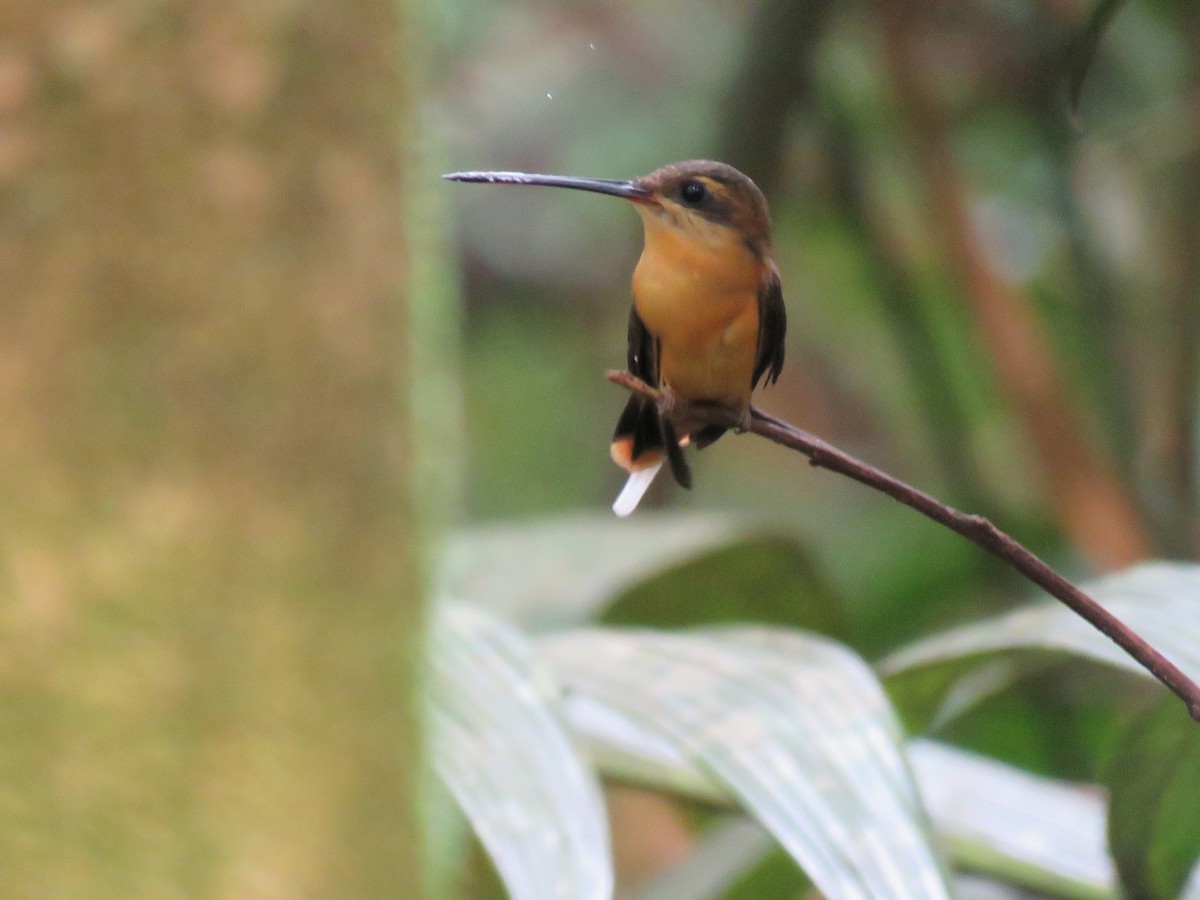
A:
{"x":654,"y":569}
{"x":991,"y":817}
{"x":557,"y":573}
{"x":1159,"y":601}
{"x":794,"y":727}
{"x":760,"y":578}
{"x":1027,"y":830}
{"x":497,"y":743}
{"x":1154,"y":817}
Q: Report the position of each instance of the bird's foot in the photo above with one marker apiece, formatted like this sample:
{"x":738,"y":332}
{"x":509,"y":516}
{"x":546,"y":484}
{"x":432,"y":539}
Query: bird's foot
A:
{"x":744,"y":421}
{"x":701,"y":414}
{"x":667,"y":401}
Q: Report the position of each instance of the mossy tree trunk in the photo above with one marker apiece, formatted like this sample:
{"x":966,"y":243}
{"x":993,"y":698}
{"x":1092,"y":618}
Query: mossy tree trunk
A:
{"x":208,"y":610}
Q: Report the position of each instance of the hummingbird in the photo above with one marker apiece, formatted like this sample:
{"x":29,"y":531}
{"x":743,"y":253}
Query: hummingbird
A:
{"x":708,"y":322}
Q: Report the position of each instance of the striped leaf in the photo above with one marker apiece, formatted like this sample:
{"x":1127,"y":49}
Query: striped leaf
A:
{"x":1160,"y":601}
{"x":558,"y":573}
{"x":654,"y":570}
{"x":499,"y":746}
{"x":794,"y":727}
{"x":990,"y":817}
{"x":1028,"y":830}
{"x":1152,"y":831}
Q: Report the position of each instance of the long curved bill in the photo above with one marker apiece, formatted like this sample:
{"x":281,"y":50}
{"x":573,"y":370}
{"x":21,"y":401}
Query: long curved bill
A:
{"x":627,"y":189}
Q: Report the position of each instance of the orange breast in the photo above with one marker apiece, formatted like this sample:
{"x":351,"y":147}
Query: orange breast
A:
{"x":698,"y":294}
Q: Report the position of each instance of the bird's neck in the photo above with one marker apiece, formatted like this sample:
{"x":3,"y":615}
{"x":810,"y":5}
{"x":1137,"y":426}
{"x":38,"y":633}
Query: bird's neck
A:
{"x":700,"y":264}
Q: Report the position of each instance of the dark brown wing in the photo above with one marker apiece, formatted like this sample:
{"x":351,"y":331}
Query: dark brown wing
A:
{"x":640,"y":419}
{"x":772,"y":326}
{"x":642,"y":355}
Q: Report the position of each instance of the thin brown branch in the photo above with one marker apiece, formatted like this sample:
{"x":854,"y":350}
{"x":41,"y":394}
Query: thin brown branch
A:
{"x":974,"y":528}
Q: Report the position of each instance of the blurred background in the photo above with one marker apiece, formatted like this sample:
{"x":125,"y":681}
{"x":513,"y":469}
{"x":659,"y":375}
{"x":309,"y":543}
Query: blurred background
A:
{"x":987,"y":219}
{"x":991,"y":288}
{"x":231,"y":282}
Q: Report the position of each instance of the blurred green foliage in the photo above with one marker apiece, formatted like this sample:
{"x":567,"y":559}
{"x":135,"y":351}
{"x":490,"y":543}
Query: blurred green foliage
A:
{"x":1154,"y":780}
{"x":1083,"y":219}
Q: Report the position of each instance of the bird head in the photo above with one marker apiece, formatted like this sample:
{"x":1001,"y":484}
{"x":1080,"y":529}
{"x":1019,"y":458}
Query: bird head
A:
{"x":697,"y":198}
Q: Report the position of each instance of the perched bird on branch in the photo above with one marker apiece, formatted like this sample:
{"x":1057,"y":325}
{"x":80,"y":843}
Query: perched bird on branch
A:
{"x":708,"y":322}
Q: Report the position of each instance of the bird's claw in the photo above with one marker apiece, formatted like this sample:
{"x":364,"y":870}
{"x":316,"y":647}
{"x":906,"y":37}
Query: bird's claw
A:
{"x":666,"y":401}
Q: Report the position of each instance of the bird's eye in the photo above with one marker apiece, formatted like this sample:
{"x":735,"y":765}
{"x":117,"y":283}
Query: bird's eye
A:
{"x":692,"y":192}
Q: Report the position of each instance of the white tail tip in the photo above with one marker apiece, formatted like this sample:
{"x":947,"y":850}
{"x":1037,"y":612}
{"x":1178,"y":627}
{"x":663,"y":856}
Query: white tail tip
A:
{"x":635,"y":488}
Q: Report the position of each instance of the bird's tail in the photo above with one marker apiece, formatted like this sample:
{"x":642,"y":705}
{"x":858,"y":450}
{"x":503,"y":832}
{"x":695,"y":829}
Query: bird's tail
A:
{"x":635,"y":488}
{"x":643,"y":440}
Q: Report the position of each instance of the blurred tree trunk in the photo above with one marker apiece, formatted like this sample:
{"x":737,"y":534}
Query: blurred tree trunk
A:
{"x":208,"y":619}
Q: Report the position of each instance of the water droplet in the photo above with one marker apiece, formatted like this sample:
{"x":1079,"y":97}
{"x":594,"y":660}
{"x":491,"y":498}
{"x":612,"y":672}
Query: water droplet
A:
{"x":591,"y":46}
{"x":549,"y":96}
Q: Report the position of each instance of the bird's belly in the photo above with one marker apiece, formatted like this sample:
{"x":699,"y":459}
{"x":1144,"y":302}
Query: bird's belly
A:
{"x":721,"y":370}
{"x":707,"y":328}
